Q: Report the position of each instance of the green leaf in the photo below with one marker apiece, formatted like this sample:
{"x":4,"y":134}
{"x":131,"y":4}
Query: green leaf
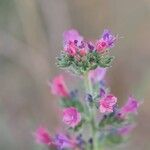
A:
{"x":72,"y":103}
{"x":82,"y":65}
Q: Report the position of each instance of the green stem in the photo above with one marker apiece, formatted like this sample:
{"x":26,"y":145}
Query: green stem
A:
{"x":89,"y":90}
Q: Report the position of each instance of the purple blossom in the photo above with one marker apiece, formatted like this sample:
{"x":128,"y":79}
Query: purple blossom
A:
{"x":97,"y":75}
{"x":107,"y":41}
{"x":62,"y":141}
{"x":109,"y":38}
{"x":91,"y":46}
{"x":102,"y":92}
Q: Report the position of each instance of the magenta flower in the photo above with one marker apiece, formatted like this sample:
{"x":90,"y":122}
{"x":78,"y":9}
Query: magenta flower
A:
{"x":72,"y":41}
{"x":97,"y":75}
{"x":107,"y":41}
{"x":42,"y":136}
{"x":58,"y":87}
{"x":125,"y":130}
{"x":71,"y":48}
{"x":101,"y":46}
{"x":130,"y":107}
{"x":71,"y":116}
{"x":107,"y":103}
{"x":62,"y":141}
{"x":72,"y":36}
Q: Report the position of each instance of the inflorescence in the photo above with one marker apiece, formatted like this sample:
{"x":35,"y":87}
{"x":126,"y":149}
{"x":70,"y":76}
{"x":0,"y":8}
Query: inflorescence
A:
{"x":94,"y":121}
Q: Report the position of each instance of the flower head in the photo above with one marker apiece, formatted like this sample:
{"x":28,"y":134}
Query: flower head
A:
{"x":71,"y":116}
{"x":97,"y":75}
{"x":58,"y":86}
{"x":42,"y":136}
{"x":107,"y":103}
{"x":63,"y":141}
{"x":130,"y":107}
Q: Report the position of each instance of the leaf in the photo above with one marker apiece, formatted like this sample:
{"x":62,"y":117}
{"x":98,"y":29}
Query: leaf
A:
{"x":72,"y":103}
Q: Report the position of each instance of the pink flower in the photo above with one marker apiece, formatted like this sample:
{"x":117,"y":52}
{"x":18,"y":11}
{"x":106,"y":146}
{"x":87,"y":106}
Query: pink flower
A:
{"x":97,"y":75}
{"x":82,"y":52}
{"x":71,"y":116}
{"x":42,"y":136}
{"x":125,"y":130}
{"x":71,"y":48}
{"x":58,"y":86}
{"x":101,"y":46}
{"x":72,"y":41}
{"x":107,"y":41}
{"x":72,"y":35}
{"x":130,"y":107}
{"x":107,"y":103}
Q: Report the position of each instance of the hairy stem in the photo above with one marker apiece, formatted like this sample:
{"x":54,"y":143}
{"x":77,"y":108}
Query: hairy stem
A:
{"x":89,"y":90}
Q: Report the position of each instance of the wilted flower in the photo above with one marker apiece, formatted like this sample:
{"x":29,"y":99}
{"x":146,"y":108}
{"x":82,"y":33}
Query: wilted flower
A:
{"x":58,"y":86}
{"x":71,"y":116}
{"x":97,"y":75}
{"x":130,"y":107}
{"x":42,"y":136}
{"x":107,"y":103}
{"x":62,"y":141}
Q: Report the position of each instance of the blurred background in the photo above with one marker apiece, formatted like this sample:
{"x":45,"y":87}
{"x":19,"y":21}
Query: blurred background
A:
{"x":31,"y":38}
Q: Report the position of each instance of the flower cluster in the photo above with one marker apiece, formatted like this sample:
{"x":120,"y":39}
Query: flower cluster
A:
{"x":81,"y":56}
{"x":94,"y":121}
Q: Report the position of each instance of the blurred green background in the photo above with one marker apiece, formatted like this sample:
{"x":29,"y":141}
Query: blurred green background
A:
{"x":31,"y":38}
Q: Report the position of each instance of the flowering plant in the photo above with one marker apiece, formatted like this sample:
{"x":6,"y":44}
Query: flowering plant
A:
{"x":94,"y":121}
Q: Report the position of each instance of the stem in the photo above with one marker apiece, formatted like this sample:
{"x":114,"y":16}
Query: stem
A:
{"x":89,"y":90}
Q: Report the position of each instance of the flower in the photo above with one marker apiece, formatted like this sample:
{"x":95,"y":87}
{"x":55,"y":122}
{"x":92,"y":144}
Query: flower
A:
{"x":71,"y":48}
{"x":42,"y":136}
{"x":62,"y":141}
{"x":58,"y":86}
{"x":72,"y":39}
{"x":72,"y":35}
{"x":90,"y":46}
{"x":97,"y":75}
{"x":107,"y":103}
{"x":71,"y":116}
{"x":107,"y":41}
{"x":125,"y":130}
{"x":130,"y":107}
{"x":101,"y":46}
{"x":109,"y":38}
{"x":102,"y":92}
